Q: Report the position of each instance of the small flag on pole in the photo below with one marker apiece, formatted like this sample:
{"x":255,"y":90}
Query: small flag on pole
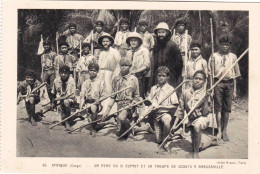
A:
{"x":40,"y":48}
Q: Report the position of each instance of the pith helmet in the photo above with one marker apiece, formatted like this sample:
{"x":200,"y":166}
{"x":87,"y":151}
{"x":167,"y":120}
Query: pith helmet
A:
{"x":163,"y":26}
{"x":105,"y":36}
{"x":134,"y":35}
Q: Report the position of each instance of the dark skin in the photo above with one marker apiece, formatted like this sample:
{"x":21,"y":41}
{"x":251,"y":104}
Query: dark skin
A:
{"x":47,"y":48}
{"x":99,"y":28}
{"x":72,"y":30}
{"x":162,"y":78}
{"x":124,"y":26}
{"x":180,"y":28}
{"x":198,"y":83}
{"x":63,"y":49}
{"x":223,"y":117}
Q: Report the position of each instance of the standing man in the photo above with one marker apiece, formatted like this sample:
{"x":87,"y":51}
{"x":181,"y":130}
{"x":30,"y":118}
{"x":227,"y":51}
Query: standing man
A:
{"x":198,"y":120}
{"x":227,"y":88}
{"x":196,"y":63}
{"x":139,"y":56}
{"x":64,"y":85}
{"x":64,"y":58}
{"x":47,"y":61}
{"x":148,"y":42}
{"x":125,"y":98}
{"x":108,"y":61}
{"x":166,"y":53}
{"x":74,"y":39}
{"x":98,"y":31}
{"x":179,"y":38}
{"x":120,"y":38}
{"x":83,"y":63}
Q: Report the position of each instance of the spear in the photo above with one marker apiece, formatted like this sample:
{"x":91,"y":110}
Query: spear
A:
{"x":200,"y":100}
{"x":95,"y":103}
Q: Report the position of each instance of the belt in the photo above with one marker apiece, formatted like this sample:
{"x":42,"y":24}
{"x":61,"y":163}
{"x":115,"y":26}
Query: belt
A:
{"x":224,"y":81}
{"x":106,"y":69}
{"x":46,"y":69}
{"x":84,"y":72}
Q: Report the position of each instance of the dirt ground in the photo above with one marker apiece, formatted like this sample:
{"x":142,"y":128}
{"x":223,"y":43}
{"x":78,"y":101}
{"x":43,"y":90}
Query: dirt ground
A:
{"x":41,"y":141}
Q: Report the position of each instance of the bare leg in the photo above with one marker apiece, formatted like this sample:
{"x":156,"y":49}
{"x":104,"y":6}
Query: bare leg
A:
{"x":32,"y":111}
{"x":218,"y":119}
{"x":125,"y":123}
{"x":93,"y":118}
{"x":196,"y":140}
{"x":225,"y":123}
{"x":66,"y":111}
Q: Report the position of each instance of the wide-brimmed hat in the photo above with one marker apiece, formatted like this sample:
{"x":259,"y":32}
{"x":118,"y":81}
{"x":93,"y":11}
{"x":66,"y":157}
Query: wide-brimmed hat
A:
{"x":105,"y":36}
{"x":162,"y":26}
{"x":134,"y":35}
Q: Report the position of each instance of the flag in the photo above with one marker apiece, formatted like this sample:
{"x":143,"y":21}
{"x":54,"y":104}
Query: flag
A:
{"x":40,"y":48}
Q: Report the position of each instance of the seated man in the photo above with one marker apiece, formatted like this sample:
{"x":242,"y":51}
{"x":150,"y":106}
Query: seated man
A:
{"x":125,"y":98}
{"x":25,"y":88}
{"x":198,"y":120}
{"x":64,"y":85}
{"x":92,"y":90}
{"x":162,"y":110}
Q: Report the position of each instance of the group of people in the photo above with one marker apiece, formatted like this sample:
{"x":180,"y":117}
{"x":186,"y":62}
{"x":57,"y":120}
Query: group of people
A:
{"x":152,"y":65}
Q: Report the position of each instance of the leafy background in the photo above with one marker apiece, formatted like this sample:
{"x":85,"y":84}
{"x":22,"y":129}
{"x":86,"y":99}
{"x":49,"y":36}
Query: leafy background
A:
{"x":34,"y":23}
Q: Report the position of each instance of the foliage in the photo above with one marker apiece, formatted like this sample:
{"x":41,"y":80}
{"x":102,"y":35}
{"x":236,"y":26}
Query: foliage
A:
{"x":34,"y":22}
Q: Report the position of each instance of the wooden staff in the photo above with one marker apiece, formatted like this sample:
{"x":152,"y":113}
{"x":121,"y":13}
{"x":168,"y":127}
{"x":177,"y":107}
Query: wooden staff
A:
{"x":57,"y":42}
{"x":151,"y":109}
{"x":56,"y":99}
{"x":92,"y":43}
{"x":212,"y":76}
{"x":173,"y":35}
{"x":185,"y":65}
{"x":95,"y":103}
{"x":99,"y":120}
{"x":200,"y":100}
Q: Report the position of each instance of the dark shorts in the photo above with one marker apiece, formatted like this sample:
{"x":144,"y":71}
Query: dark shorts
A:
{"x":223,"y":96}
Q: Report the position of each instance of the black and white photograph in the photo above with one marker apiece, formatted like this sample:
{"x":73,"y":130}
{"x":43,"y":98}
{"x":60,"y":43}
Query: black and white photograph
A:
{"x":127,"y":83}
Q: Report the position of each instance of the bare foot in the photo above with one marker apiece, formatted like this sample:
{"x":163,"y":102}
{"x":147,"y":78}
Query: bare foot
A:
{"x":219,"y":136}
{"x":33,"y":122}
{"x":225,"y":137}
{"x":195,"y":155}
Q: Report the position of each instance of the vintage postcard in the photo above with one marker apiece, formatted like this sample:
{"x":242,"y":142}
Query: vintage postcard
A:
{"x":128,"y":86}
